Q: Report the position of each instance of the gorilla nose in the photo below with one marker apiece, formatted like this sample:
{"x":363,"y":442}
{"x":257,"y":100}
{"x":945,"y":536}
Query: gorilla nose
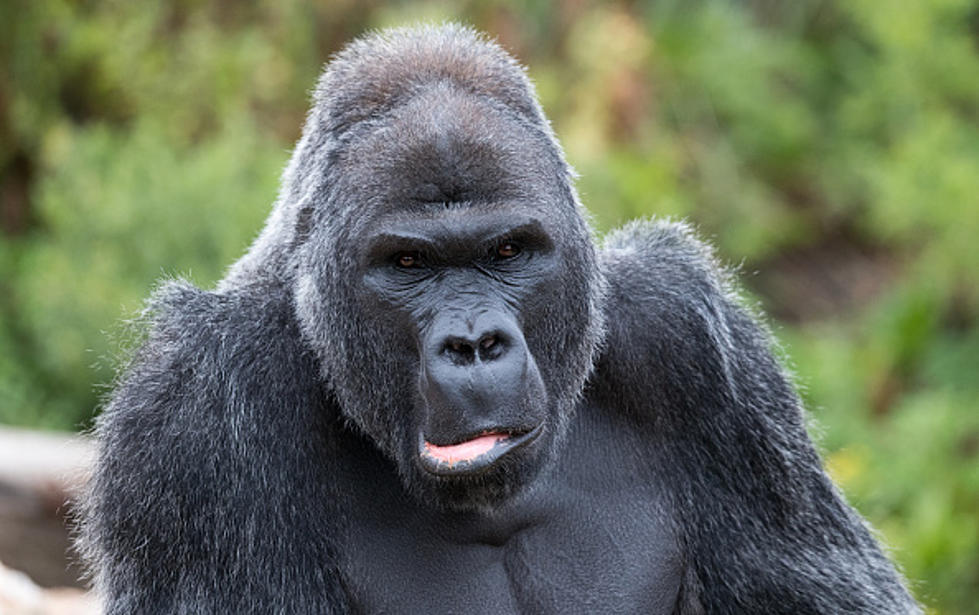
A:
{"x":469,"y":350}
{"x":476,"y":379}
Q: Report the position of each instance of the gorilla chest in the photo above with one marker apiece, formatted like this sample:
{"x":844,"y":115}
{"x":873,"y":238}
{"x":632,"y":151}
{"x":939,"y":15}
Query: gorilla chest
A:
{"x":587,"y":562}
{"x":581,"y":543}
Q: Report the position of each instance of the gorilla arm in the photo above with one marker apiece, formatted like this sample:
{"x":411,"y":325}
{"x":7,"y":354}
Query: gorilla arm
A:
{"x":762,"y":528}
{"x":208,"y":496}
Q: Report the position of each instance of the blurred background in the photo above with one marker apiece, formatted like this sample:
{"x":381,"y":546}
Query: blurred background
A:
{"x":829,"y":148}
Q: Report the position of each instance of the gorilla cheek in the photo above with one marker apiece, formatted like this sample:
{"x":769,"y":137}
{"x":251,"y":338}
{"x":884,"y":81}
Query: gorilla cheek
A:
{"x":365,"y":377}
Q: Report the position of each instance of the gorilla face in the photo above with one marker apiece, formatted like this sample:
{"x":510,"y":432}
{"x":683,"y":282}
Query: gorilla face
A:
{"x":452,"y":294}
{"x":459,"y":281}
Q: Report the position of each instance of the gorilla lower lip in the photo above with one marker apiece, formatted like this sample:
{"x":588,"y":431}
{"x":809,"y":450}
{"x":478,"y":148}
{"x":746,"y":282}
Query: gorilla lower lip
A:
{"x":464,"y":451}
{"x":474,"y":455}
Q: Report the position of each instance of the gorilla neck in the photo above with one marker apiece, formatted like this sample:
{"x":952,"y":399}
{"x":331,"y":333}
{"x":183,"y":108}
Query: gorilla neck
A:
{"x":566,"y":530}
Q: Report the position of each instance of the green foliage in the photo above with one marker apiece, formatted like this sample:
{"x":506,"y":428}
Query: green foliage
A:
{"x":124,"y":209}
{"x":913,"y":471}
{"x":830,"y":147}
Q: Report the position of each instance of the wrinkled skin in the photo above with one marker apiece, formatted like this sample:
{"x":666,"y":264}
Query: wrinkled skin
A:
{"x":425,"y":389}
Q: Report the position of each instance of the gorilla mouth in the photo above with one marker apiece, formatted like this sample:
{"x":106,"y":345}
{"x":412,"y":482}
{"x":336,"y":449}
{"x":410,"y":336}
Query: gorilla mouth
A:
{"x":474,"y":455}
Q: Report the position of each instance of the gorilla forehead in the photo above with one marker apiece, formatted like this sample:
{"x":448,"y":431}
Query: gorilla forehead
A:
{"x":445,"y":145}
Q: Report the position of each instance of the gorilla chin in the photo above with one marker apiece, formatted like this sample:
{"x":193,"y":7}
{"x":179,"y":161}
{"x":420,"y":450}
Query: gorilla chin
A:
{"x":479,"y":474}
{"x":482,"y":469}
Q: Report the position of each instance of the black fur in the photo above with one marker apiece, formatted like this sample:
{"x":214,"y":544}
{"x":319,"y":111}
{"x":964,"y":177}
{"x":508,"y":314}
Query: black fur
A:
{"x":260,"y":453}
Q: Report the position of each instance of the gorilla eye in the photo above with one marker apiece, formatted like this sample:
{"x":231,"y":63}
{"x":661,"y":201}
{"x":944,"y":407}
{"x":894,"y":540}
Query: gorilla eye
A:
{"x":507,"y":249}
{"x":409,"y":260}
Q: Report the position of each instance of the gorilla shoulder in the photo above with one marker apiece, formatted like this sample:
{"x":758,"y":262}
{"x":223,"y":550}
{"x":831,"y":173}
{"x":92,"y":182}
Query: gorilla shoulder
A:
{"x":205,"y":413}
{"x":190,"y":329}
{"x":666,"y":301}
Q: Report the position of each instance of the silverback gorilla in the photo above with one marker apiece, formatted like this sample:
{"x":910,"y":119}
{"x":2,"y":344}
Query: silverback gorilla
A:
{"x":424,"y":389}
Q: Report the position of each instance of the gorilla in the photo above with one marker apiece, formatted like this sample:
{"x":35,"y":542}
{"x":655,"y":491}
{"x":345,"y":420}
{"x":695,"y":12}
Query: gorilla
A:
{"x":425,"y":389}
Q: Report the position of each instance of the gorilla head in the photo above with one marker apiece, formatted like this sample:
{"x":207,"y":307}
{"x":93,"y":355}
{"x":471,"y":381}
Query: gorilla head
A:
{"x":441,"y":266}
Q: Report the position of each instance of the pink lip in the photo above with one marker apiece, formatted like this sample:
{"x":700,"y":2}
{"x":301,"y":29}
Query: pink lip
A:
{"x":475,"y":455}
{"x":464,"y":451}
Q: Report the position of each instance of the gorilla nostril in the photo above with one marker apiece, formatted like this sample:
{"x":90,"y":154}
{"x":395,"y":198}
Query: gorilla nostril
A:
{"x":491,"y":347}
{"x":459,"y":350}
{"x":462,"y":351}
